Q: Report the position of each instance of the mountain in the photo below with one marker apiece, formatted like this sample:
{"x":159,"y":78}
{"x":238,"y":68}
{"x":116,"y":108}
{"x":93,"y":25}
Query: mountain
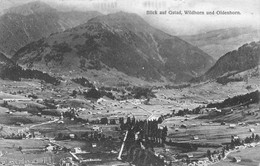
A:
{"x":120,"y":41}
{"x":4,"y":62}
{"x":29,"y":22}
{"x":244,"y":58}
{"x":218,"y":42}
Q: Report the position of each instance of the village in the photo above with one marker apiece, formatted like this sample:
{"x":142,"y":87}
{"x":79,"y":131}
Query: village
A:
{"x":76,"y":131}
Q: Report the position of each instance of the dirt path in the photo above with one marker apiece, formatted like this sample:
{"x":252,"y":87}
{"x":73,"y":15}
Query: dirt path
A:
{"x":151,"y":114}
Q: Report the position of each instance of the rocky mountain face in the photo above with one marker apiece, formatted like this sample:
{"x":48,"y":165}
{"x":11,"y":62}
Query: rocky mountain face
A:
{"x":244,"y":58}
{"x":120,"y":41}
{"x":30,"y":22}
{"x":218,"y":42}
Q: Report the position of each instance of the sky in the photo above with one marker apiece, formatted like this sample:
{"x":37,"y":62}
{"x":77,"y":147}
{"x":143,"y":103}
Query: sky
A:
{"x":174,"y":24}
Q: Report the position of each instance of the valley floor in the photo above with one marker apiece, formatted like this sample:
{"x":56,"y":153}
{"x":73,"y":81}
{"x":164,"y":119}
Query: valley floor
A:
{"x":48,"y":137}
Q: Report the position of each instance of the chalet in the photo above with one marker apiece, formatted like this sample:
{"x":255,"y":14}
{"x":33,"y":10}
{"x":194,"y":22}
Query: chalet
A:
{"x":94,"y":145}
{"x":195,"y":137}
{"x":19,"y":124}
{"x":9,"y":112}
{"x":72,"y":136}
{"x":234,"y":137}
{"x":49,"y":148}
{"x":184,"y":126}
{"x":37,"y":134}
{"x":232,"y":126}
{"x":215,"y":111}
{"x":60,"y":122}
{"x":251,"y":130}
{"x":68,"y":162}
{"x":236,"y":159}
{"x":96,"y":128}
{"x":77,"y":150}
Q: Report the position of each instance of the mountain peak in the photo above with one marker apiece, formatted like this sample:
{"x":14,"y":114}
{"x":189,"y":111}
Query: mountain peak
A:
{"x":30,"y":8}
{"x":244,"y":58}
{"x":129,"y":20}
{"x":120,"y":41}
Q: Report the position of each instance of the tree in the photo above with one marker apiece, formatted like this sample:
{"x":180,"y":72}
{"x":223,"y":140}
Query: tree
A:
{"x":209,"y":155}
{"x":219,"y":157}
{"x":104,"y":121}
{"x":20,"y":149}
{"x":82,"y":63}
{"x":223,"y":152}
{"x":60,"y":136}
{"x":112,"y":121}
{"x":160,"y":120}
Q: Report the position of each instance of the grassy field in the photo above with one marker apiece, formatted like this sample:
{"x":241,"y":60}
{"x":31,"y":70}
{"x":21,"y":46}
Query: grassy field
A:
{"x":249,"y":157}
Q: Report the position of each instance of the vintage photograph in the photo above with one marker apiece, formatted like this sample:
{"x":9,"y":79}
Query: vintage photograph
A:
{"x":129,"y":83}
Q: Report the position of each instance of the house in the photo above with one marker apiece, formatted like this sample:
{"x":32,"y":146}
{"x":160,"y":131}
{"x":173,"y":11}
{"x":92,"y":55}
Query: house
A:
{"x":60,"y":122}
{"x":72,"y":136}
{"x":214,"y":112}
{"x":190,"y":155}
{"x":49,"y":147}
{"x":19,"y":124}
{"x":251,"y":130}
{"x":94,"y":145}
{"x":77,"y":150}
{"x":236,"y":159}
{"x":232,"y":126}
{"x":195,"y":137}
{"x":97,"y":128}
{"x":184,"y":126}
{"x":68,"y":162}
{"x":37,"y":134}
{"x":234,"y":137}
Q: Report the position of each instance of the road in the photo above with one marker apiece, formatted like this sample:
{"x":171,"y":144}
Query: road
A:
{"x":151,"y":113}
{"x":44,"y":123}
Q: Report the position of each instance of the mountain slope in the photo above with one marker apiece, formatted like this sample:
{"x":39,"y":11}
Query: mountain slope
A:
{"x":244,"y":58}
{"x":30,"y":22}
{"x":218,"y":42}
{"x":121,"y":41}
{"x":4,"y":62}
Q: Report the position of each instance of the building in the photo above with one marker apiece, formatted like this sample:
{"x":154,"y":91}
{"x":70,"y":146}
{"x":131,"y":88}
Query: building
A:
{"x":72,"y":136}
{"x":94,"y":145}
{"x":236,"y":159}
{"x":97,"y":128}
{"x":251,"y":130}
{"x":68,"y":162}
{"x":77,"y":150}
{"x":232,"y":126}
{"x":49,"y":148}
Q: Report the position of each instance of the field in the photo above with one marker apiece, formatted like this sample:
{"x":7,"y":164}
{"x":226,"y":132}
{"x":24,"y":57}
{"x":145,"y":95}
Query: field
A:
{"x":249,"y":157}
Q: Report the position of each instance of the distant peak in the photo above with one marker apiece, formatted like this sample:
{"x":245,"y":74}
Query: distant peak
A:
{"x":122,"y":18}
{"x":30,"y":8}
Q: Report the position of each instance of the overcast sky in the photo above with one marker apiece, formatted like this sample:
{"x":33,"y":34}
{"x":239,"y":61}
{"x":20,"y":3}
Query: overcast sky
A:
{"x":178,"y":24}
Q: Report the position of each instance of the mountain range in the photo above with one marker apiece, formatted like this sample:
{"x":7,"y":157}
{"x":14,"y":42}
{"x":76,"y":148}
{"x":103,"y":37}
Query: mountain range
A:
{"x":218,"y":42}
{"x":244,"y":58}
{"x":30,"y":22}
{"x":122,"y":41}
